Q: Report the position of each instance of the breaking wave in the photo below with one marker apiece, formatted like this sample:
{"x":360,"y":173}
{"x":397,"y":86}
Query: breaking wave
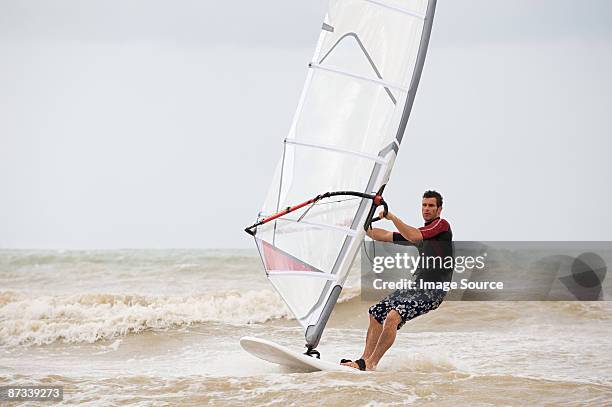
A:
{"x":38,"y":320}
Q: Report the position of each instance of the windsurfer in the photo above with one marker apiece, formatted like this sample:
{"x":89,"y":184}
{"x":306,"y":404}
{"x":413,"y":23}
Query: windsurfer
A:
{"x":393,"y":311}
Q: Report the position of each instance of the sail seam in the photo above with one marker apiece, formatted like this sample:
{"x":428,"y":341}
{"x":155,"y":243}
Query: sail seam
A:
{"x":357,"y":76}
{"x":337,"y":149}
{"x":398,"y":9}
{"x":325,"y":276}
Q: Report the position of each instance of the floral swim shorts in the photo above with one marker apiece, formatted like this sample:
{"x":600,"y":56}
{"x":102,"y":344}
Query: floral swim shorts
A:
{"x":408,"y":304}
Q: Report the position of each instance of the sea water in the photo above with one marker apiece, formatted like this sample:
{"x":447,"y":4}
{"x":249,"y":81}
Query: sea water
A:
{"x":162,"y":327}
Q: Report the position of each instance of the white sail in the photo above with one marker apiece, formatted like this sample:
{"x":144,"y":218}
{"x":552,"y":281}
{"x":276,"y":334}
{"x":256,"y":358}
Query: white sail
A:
{"x":345,"y":136}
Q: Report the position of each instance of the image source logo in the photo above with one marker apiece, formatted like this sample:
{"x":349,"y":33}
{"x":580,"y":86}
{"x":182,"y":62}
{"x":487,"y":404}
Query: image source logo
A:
{"x":497,"y":271}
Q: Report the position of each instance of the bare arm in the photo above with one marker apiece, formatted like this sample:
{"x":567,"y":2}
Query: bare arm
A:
{"x":409,"y":232}
{"x":381,"y":235}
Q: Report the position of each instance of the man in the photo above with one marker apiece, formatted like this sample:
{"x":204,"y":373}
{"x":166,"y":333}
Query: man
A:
{"x":393,"y":311}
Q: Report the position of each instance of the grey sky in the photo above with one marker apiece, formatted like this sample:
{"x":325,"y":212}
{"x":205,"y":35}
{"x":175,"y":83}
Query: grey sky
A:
{"x":158,"y":124}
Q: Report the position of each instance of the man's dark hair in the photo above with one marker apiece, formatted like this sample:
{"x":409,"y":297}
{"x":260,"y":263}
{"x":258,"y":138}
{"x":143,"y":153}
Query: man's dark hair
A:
{"x":434,"y":194}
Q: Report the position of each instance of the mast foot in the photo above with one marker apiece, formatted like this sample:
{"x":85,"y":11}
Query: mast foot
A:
{"x":312,"y":352}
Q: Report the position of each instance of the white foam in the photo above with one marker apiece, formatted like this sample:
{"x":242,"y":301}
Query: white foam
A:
{"x":27,"y":320}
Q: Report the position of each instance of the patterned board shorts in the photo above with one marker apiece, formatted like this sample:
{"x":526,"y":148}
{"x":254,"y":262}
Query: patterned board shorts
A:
{"x":408,"y":303}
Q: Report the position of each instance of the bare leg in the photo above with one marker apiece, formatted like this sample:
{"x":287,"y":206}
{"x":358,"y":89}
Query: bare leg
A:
{"x":374,"y":330}
{"x":385,"y":340}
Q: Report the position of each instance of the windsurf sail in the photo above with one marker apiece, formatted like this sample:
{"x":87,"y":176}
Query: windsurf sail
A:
{"x":340,"y":150}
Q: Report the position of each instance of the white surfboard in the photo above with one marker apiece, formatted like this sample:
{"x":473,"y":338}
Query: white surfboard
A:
{"x":275,"y":353}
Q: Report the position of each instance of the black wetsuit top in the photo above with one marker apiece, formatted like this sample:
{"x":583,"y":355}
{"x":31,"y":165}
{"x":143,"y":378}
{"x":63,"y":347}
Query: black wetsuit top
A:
{"x":437,"y":245}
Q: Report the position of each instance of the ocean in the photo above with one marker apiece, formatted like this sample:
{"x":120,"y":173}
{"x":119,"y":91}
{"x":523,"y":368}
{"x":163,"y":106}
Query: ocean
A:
{"x":162,"y":327}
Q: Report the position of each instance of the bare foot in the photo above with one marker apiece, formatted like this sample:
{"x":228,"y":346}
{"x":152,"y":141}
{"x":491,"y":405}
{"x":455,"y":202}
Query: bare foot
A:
{"x":369,"y":365}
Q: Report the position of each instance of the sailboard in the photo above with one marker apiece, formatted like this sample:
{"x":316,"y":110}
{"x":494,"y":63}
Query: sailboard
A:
{"x":340,"y":150}
{"x":281,"y":355}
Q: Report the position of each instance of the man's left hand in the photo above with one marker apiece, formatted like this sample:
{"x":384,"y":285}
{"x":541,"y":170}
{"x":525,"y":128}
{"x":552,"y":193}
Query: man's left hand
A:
{"x":388,"y":217}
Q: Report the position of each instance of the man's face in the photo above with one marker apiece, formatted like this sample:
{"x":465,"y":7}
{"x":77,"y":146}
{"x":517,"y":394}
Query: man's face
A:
{"x":430,"y":209}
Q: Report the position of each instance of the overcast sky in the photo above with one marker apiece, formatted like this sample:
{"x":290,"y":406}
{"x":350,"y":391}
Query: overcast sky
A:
{"x":158,"y":124}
